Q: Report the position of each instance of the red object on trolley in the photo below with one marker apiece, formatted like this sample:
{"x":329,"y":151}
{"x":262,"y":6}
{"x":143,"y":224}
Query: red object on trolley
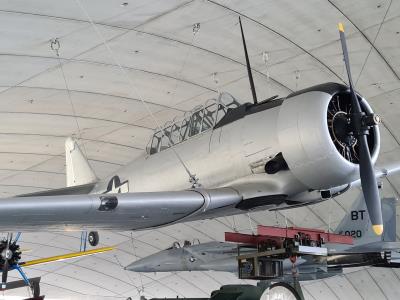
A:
{"x":278,"y":233}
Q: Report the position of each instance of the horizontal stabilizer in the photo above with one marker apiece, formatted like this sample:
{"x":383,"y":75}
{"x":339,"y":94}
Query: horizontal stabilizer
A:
{"x":72,"y":190}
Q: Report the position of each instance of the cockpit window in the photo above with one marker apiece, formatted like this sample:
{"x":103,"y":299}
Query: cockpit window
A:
{"x":199,"y":120}
{"x":166,"y":138}
{"x":209,"y":114}
{"x":175,"y":133}
{"x":184,"y":129}
{"x":156,"y":142}
{"x":195,"y":122}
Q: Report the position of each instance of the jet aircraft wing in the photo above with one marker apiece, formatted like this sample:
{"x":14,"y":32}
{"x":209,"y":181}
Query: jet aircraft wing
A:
{"x":379,"y":246}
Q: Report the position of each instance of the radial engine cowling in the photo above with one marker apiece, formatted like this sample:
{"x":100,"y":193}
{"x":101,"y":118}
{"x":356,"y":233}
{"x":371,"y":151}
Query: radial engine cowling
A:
{"x":316,"y":139}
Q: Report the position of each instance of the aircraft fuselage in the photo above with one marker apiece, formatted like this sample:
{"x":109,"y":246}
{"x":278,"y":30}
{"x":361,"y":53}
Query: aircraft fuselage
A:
{"x":235,"y":153}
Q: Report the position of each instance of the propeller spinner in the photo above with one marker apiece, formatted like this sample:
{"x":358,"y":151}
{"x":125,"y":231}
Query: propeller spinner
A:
{"x":360,"y":125}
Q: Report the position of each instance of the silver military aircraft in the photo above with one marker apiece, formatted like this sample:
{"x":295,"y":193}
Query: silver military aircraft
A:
{"x":368,"y":250}
{"x":223,"y":159}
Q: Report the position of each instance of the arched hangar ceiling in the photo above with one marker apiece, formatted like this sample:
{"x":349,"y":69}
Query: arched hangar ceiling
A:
{"x":173,"y":68}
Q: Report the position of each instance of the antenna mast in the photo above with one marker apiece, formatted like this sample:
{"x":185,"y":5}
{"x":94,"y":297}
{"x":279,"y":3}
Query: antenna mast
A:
{"x":253,"y":89}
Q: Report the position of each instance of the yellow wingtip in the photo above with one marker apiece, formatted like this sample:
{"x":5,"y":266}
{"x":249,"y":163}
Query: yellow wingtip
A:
{"x":341,"y":27}
{"x":378,"y":229}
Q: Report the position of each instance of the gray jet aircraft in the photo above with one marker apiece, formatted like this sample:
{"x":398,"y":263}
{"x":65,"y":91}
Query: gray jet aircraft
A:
{"x":368,"y":250}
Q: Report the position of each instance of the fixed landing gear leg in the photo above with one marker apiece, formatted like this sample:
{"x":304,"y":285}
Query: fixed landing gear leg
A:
{"x":84,"y":237}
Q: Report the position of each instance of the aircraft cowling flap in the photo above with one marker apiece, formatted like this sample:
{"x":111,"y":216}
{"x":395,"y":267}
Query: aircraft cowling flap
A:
{"x":315,"y":140}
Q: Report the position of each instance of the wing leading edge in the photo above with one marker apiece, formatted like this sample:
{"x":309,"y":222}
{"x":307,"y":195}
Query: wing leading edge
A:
{"x":126,"y":211}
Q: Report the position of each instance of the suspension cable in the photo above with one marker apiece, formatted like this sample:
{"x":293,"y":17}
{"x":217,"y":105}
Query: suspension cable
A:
{"x":192,"y":177}
{"x":196,"y":29}
{"x":251,"y":224}
{"x":373,"y":42}
{"x":266,"y":59}
{"x":141,"y":290}
{"x":55,"y":45}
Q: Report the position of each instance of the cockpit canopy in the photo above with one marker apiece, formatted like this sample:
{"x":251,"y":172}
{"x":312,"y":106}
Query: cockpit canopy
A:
{"x":199,"y":120}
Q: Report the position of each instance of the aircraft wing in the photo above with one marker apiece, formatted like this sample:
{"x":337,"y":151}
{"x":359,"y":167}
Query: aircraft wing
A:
{"x":384,"y":170}
{"x":64,"y":209}
{"x":375,"y":247}
{"x":126,"y":211}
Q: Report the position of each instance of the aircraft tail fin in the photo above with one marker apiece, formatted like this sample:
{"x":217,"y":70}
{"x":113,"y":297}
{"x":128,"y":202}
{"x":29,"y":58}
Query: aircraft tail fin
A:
{"x":389,"y":219}
{"x":78,"y":169}
{"x":358,"y":224}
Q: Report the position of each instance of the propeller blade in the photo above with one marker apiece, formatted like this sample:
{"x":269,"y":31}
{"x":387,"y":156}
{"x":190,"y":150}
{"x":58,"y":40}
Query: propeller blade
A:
{"x":4,"y":274}
{"x":354,"y":100}
{"x":370,"y":186}
{"x":367,"y":174}
{"x":345,"y":54}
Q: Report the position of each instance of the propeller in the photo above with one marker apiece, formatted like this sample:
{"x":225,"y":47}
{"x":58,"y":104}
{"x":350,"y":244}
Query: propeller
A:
{"x":6,"y":254}
{"x":360,"y":125}
{"x":10,"y":255}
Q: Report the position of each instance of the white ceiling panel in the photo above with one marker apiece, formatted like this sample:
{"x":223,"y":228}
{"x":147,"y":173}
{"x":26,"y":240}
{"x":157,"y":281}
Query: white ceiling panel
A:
{"x":388,"y":282}
{"x":292,"y":45}
{"x":342,"y":288}
{"x":29,"y":35}
{"x":21,"y":68}
{"x":366,"y":285}
{"x":107,"y":79}
{"x":320,"y":290}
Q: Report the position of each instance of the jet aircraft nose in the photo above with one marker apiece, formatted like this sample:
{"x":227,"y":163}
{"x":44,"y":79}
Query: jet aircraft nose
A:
{"x":141,"y":265}
{"x":165,"y":261}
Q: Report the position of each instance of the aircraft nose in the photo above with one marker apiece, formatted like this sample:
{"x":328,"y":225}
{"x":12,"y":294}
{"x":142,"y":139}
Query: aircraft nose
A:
{"x":164,"y":261}
{"x":140,"y":266}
